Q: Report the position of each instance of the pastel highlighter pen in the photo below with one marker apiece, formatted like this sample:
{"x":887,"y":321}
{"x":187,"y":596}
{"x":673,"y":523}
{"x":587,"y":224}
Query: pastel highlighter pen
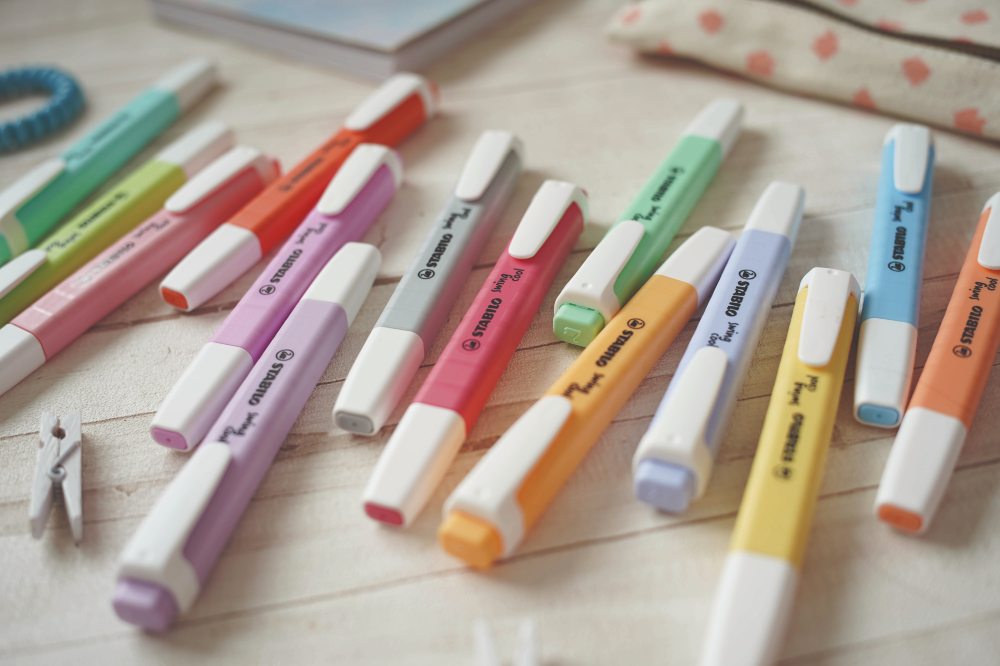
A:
{"x":121,"y":271}
{"x":887,"y":343}
{"x":634,"y":247}
{"x":35,"y":204}
{"x":170,"y":557}
{"x":757,"y":588}
{"x":353,"y":200}
{"x":419,"y":306}
{"x":506,"y":493}
{"x":448,"y":404}
{"x":674,"y":460}
{"x":109,"y":217}
{"x":395,"y":110}
{"x":950,"y":388}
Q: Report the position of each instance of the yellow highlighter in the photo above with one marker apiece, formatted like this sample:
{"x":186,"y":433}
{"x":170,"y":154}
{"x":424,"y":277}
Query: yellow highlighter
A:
{"x":505,"y":494}
{"x":761,"y":572}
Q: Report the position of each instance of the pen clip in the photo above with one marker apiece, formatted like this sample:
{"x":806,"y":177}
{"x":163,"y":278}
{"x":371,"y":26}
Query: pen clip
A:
{"x":355,"y":174}
{"x":679,"y":432}
{"x":18,"y":194}
{"x":17,"y":270}
{"x":389,"y":97}
{"x":553,"y":200}
{"x":196,"y":149}
{"x":911,"y":153}
{"x":487,"y":158}
{"x":823,"y":316}
{"x":155,"y":552}
{"x":217,"y":175}
{"x":490,"y":490}
{"x":592,"y":286}
{"x":989,"y":245}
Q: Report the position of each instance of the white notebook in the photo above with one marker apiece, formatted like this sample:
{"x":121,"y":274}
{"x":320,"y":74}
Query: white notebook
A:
{"x":369,"y":38}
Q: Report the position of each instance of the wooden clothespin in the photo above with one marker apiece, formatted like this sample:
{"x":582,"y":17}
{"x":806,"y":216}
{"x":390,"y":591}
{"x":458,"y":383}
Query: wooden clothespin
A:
{"x":58,"y":467}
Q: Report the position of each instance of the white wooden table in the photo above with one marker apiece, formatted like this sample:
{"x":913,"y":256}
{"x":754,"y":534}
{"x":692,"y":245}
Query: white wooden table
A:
{"x":307,"y":577}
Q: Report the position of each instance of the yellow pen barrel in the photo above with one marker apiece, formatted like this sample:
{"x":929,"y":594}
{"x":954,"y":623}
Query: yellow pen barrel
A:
{"x":787,"y":471}
{"x":603,"y":378}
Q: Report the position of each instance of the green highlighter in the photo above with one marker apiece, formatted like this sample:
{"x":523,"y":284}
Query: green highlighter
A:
{"x":35,"y":204}
{"x":130,"y":201}
{"x":631,"y":251}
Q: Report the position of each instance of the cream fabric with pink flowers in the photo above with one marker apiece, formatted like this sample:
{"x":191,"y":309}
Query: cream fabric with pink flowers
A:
{"x":866,"y":60}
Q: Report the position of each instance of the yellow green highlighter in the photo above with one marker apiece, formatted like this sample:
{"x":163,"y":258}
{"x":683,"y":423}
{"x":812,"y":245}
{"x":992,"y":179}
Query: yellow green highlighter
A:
{"x":758,"y":582}
{"x":631,"y":251}
{"x":130,"y":201}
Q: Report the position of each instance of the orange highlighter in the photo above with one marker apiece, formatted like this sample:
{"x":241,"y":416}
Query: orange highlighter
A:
{"x":951,"y":386}
{"x":506,"y":492}
{"x":390,"y":114}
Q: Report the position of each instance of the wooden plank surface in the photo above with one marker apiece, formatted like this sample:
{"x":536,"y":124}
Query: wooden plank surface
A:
{"x":307,"y":577}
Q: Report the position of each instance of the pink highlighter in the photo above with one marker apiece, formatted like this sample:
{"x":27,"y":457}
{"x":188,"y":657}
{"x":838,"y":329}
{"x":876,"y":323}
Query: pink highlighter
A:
{"x":112,"y":277}
{"x":449,"y":403}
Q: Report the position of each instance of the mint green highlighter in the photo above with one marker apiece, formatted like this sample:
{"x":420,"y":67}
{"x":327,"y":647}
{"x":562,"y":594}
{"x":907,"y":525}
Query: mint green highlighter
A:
{"x":632,"y":250}
{"x":34,"y":205}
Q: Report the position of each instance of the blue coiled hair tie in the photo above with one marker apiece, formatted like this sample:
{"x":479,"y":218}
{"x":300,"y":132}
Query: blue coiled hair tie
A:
{"x":65,"y":104}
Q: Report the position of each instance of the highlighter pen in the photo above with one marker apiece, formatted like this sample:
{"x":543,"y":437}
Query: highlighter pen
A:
{"x":121,"y":271}
{"x":448,"y":404}
{"x":674,"y":460}
{"x":950,"y":388}
{"x":113,"y":214}
{"x":506,"y":492}
{"x":755,"y":594}
{"x":419,"y":306}
{"x":38,"y":201}
{"x":355,"y":197}
{"x":394,"y":111}
{"x":168,"y":560}
{"x":887,"y":342}
{"x":630,"y":252}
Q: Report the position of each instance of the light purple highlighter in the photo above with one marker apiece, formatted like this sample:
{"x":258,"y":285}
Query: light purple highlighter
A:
{"x":171,"y":555}
{"x":674,"y":459}
{"x":359,"y":191}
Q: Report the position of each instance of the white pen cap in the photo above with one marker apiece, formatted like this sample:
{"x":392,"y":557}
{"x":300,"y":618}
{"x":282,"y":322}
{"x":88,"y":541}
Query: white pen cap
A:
{"x":189,"y":82}
{"x":489,"y":491}
{"x":378,"y":379}
{"x":592,"y":286}
{"x":413,"y":462}
{"x":750,"y":613}
{"x":720,"y":121}
{"x":155,"y":553}
{"x":213,"y":264}
{"x":779,"y":210}
{"x":200,"y":395}
{"x":700,"y":259}
{"x":347,"y":278}
{"x":196,"y":149}
{"x":20,"y":354}
{"x":886,"y":352}
{"x":673,"y":463}
{"x":920,"y":464}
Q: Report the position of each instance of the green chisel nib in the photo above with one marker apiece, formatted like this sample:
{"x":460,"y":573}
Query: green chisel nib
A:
{"x":576,"y":324}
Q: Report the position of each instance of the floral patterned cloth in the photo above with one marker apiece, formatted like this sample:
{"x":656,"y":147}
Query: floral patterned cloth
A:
{"x":854,"y":51}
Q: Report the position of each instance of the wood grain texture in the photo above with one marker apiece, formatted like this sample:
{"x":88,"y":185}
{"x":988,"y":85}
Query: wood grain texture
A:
{"x":306,"y":577}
